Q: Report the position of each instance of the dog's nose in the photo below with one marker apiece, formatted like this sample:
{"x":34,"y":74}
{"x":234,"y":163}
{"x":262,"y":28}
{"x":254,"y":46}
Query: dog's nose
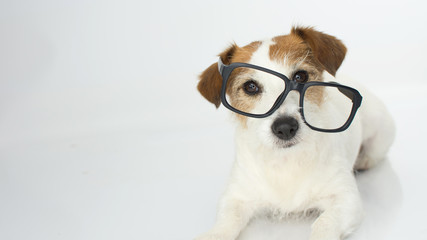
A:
{"x":285,"y":128}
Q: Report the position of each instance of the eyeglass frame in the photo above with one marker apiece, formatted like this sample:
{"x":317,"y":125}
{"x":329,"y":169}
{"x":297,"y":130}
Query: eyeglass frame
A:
{"x":226,"y":70}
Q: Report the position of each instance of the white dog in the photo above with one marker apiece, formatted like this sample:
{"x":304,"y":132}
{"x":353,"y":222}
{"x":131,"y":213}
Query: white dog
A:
{"x":296,"y":150}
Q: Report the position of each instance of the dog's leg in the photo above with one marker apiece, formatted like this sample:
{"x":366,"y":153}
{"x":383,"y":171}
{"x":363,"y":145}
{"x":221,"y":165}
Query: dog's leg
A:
{"x":233,"y":216}
{"x":342,"y":213}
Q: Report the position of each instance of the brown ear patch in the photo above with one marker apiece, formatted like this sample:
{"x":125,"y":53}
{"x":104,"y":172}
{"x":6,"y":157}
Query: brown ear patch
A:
{"x":210,"y":84}
{"x":211,"y":81}
{"x":327,"y":50}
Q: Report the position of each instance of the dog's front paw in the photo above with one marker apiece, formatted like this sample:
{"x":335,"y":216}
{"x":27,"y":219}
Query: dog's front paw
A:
{"x":322,"y":230}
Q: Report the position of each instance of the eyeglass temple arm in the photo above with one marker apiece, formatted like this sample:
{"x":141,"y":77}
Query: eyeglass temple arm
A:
{"x":346,"y":92}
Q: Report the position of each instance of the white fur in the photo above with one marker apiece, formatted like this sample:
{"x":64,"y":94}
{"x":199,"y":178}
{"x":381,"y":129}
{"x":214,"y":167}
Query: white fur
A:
{"x":315,"y":173}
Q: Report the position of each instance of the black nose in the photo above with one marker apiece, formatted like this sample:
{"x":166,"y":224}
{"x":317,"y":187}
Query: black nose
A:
{"x":285,"y":128}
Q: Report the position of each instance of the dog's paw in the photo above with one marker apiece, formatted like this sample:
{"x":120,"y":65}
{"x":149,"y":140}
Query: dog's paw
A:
{"x":322,"y":230}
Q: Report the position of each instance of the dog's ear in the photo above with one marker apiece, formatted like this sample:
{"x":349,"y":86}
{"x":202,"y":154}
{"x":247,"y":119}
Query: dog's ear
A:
{"x":211,"y":81}
{"x":328,"y":50}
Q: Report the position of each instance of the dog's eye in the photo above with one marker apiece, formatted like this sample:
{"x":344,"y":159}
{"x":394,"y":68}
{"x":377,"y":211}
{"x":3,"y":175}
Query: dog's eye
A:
{"x":300,"y":76}
{"x":251,"y":88}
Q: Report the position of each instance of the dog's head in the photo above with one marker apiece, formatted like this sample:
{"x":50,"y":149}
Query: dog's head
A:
{"x":304,"y":55}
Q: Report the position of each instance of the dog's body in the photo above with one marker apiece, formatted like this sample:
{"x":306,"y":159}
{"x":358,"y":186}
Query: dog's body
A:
{"x":311,"y":170}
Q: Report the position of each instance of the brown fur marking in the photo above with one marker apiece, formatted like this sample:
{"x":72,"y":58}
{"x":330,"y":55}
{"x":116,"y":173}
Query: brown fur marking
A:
{"x":327,"y":50}
{"x":211,"y":81}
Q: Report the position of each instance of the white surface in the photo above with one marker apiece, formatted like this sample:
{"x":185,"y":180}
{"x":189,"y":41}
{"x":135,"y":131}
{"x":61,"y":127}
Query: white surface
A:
{"x":104,"y":136}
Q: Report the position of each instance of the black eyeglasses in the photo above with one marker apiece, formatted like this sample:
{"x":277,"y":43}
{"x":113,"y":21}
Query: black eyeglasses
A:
{"x":336,"y":116}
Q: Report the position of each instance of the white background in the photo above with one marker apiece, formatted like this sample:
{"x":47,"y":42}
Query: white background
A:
{"x":103,"y":134}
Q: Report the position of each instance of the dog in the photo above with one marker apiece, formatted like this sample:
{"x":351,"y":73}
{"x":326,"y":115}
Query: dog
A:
{"x":294,"y":153}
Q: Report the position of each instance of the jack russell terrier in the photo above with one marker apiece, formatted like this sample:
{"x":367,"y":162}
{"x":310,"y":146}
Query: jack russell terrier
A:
{"x":301,"y":131}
